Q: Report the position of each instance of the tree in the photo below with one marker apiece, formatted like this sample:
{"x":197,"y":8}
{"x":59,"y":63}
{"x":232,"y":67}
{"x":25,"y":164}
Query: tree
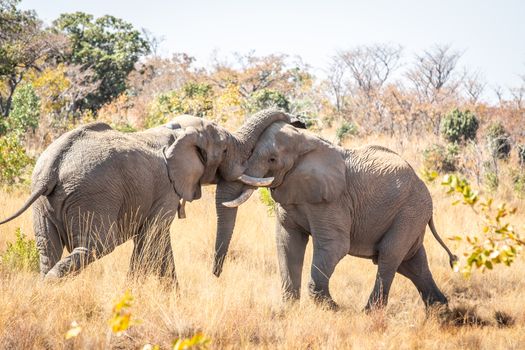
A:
{"x":24,"y":46}
{"x":434,"y":72}
{"x":370,"y":66}
{"x":474,"y":86}
{"x":107,"y":45}
{"x":25,"y":112}
{"x":268,"y":98}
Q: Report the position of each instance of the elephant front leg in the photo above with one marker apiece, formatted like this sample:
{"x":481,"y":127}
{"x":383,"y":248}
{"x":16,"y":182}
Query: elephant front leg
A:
{"x":327,"y":253}
{"x":153,"y":254}
{"x":291,"y":245}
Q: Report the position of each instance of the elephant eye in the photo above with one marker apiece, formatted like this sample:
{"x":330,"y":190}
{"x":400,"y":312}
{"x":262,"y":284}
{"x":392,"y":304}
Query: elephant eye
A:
{"x":272,"y":159}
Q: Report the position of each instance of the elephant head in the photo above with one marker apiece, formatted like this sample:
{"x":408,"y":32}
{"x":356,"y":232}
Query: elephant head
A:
{"x":240,"y":145}
{"x":305,"y":168}
{"x":221,"y":155}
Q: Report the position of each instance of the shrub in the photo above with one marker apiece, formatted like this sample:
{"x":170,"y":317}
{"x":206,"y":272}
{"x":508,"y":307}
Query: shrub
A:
{"x":266,"y":199}
{"x":346,"y":129}
{"x":498,"y":141}
{"x":13,"y":159}
{"x":193,"y":98}
{"x":441,"y":158}
{"x":521,"y":154}
{"x":459,"y":126}
{"x":22,"y":254}
{"x":26,"y":110}
{"x":268,"y":98}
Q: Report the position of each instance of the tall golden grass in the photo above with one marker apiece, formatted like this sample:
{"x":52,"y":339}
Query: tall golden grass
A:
{"x":242,"y":308}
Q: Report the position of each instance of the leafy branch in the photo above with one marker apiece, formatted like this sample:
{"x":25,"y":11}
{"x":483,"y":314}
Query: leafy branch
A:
{"x":498,"y":243}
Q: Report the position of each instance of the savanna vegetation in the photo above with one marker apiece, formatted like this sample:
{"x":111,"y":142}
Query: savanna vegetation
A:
{"x":428,"y":108}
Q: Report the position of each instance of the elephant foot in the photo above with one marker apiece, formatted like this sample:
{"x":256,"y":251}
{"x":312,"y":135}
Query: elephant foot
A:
{"x":330,"y":305}
{"x":51,"y":277}
{"x":327,"y":303}
{"x":373,"y":306}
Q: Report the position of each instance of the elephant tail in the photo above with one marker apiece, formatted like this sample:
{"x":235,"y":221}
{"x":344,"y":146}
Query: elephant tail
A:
{"x":452,"y":258}
{"x":34,"y":196}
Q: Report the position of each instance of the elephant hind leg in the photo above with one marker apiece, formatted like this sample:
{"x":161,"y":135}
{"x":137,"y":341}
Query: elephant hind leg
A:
{"x":91,"y":239}
{"x":392,"y":249}
{"x":48,"y":242}
{"x":416,"y":269}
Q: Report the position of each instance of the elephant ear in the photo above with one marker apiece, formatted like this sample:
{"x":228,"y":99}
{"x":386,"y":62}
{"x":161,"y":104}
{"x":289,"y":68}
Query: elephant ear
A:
{"x":317,"y":176}
{"x":186,"y":164}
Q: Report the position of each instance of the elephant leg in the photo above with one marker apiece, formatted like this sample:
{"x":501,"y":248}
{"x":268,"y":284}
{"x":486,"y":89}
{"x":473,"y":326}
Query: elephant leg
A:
{"x":416,"y":269}
{"x":153,"y":254}
{"x":327,"y":254}
{"x":90,"y":239}
{"x":391,"y":251}
{"x":291,"y":245}
{"x":48,"y":242}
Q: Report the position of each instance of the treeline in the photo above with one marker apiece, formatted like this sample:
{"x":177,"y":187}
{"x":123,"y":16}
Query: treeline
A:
{"x":80,"y":68}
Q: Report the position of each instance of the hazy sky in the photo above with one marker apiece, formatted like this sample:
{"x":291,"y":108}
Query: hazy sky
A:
{"x":490,"y":33}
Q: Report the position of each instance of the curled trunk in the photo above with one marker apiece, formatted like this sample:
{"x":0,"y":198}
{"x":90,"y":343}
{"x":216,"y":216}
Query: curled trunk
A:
{"x":228,"y":188}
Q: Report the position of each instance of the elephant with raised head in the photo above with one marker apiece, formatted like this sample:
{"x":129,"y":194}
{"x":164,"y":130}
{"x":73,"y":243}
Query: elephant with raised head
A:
{"x":366,"y":202}
{"x":95,"y":187}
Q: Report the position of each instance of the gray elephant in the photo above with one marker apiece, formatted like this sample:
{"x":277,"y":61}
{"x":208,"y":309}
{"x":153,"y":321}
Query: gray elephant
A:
{"x":366,"y":202}
{"x":94,"y":188}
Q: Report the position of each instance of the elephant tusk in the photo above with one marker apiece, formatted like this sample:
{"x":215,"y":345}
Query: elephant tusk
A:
{"x":239,"y":200}
{"x":256,"y":181}
{"x":181,"y":211}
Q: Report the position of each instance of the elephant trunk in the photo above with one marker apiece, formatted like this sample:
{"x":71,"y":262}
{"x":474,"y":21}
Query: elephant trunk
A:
{"x":241,"y":145}
{"x":226,"y":217}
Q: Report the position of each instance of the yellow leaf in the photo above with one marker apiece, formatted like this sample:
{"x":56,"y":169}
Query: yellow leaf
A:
{"x":73,"y":331}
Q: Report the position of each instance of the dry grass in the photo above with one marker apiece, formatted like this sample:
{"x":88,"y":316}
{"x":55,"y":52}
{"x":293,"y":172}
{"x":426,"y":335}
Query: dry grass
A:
{"x":242,"y":309}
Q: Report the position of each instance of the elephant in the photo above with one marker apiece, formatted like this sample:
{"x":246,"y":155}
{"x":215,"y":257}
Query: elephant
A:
{"x":94,"y":188}
{"x":366,"y":202}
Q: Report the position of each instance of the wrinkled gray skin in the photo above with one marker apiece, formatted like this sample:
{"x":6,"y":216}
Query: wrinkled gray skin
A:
{"x":239,"y":149}
{"x":366,"y":202}
{"x":109,"y":176}
{"x":94,"y":188}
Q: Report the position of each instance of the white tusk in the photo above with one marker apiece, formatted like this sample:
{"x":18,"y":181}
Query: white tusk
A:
{"x":255,"y":181}
{"x":239,"y":200}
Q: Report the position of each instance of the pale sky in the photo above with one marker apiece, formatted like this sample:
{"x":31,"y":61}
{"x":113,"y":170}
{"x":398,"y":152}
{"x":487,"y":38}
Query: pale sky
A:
{"x":490,"y":33}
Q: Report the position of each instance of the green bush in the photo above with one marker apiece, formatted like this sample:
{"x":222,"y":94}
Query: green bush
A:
{"x":13,"y":160}
{"x":441,"y":158}
{"x":193,"y":98}
{"x":25,"y":112}
{"x":521,"y":154}
{"x":22,"y":254}
{"x":268,"y":98}
{"x":266,"y":199}
{"x":498,"y":141}
{"x":459,"y":126}
{"x":346,"y":129}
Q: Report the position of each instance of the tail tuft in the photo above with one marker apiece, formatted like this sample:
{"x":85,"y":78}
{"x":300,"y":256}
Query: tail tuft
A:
{"x":453,"y":260}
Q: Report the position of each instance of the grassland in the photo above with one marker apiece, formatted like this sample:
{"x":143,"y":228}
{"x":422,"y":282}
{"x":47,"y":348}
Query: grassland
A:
{"x":242,"y":309}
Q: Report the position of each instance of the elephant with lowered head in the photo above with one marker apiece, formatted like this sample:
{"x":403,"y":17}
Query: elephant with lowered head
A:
{"x":366,"y":202}
{"x":94,"y":188}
